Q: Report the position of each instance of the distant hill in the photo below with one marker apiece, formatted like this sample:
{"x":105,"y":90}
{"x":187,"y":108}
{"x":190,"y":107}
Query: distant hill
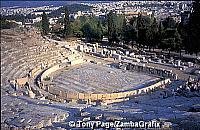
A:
{"x":8,"y":3}
{"x":36,"y":3}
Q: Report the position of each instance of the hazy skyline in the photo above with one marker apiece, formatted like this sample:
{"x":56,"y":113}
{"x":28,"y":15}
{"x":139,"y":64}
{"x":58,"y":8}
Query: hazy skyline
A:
{"x":40,"y":3}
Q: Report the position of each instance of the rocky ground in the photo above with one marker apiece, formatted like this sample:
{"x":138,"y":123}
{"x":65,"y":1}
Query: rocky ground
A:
{"x":21,"y":111}
{"x":17,"y":45}
{"x":172,"y":111}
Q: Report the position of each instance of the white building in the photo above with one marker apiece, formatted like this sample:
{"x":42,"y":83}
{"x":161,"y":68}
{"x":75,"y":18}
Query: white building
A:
{"x":36,"y":20}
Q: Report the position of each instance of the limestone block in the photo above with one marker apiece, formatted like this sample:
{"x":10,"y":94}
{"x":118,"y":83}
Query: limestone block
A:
{"x":106,"y":102}
{"x":62,"y":94}
{"x":74,"y":101}
{"x":14,"y":94}
{"x":106,"y":96}
{"x":114,"y":95}
{"x":127,"y":52}
{"x":94,"y":97}
{"x":80,"y":96}
{"x":64,"y":116}
{"x":116,"y":56}
{"x":94,"y":49}
{"x":47,"y":122}
{"x":80,"y":48}
{"x":31,"y":94}
{"x":55,"y":119}
{"x":86,"y":96}
{"x":126,"y":94}
{"x":42,"y":98}
{"x":178,"y":62}
{"x":22,"y":81}
{"x":77,"y":61}
{"x":51,"y":97}
{"x":39,"y":125}
{"x":72,"y":96}
{"x":133,"y":92}
{"x":190,"y":64}
{"x":99,"y":96}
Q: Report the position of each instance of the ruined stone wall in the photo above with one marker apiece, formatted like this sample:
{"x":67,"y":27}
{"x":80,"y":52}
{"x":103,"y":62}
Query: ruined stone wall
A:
{"x":76,"y":61}
{"x":49,"y":71}
{"x":61,"y":94}
{"x":35,"y":71}
{"x":20,"y":81}
{"x":149,"y":70}
{"x":106,"y":96}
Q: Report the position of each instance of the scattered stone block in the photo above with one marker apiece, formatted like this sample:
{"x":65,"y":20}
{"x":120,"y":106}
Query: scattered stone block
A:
{"x":190,"y":64}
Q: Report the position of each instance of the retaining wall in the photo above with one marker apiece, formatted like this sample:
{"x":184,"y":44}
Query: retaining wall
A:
{"x":49,"y":71}
{"x":20,"y":81}
{"x":148,"y":69}
{"x":35,"y":71}
{"x":107,"y":96}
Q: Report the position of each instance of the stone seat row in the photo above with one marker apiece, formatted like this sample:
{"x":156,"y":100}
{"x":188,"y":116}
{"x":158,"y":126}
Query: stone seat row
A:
{"x":49,"y":62}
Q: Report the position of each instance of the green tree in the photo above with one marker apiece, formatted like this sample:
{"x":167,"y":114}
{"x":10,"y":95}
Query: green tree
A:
{"x":133,"y":21}
{"x":67,"y":27}
{"x":99,"y":31}
{"x":183,"y":31}
{"x":169,"y":22}
{"x":143,"y":24}
{"x":194,"y":29}
{"x":152,"y":34}
{"x":5,"y":24}
{"x":169,"y":37}
{"x":88,"y":31}
{"x":160,"y":35}
{"x":92,"y":29}
{"x":115,"y":25}
{"x":129,"y":32}
{"x":76,"y":28}
{"x":119,"y":22}
{"x":38,"y":25}
{"x":169,"y":44}
{"x":111,"y":27}
{"x":125,"y":31}
{"x":45,"y":24}
{"x":172,"y":40}
{"x":178,"y":41}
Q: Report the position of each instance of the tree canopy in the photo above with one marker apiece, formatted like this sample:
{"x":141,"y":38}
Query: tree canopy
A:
{"x":145,"y":31}
{"x":45,"y":24}
{"x":67,"y":27}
